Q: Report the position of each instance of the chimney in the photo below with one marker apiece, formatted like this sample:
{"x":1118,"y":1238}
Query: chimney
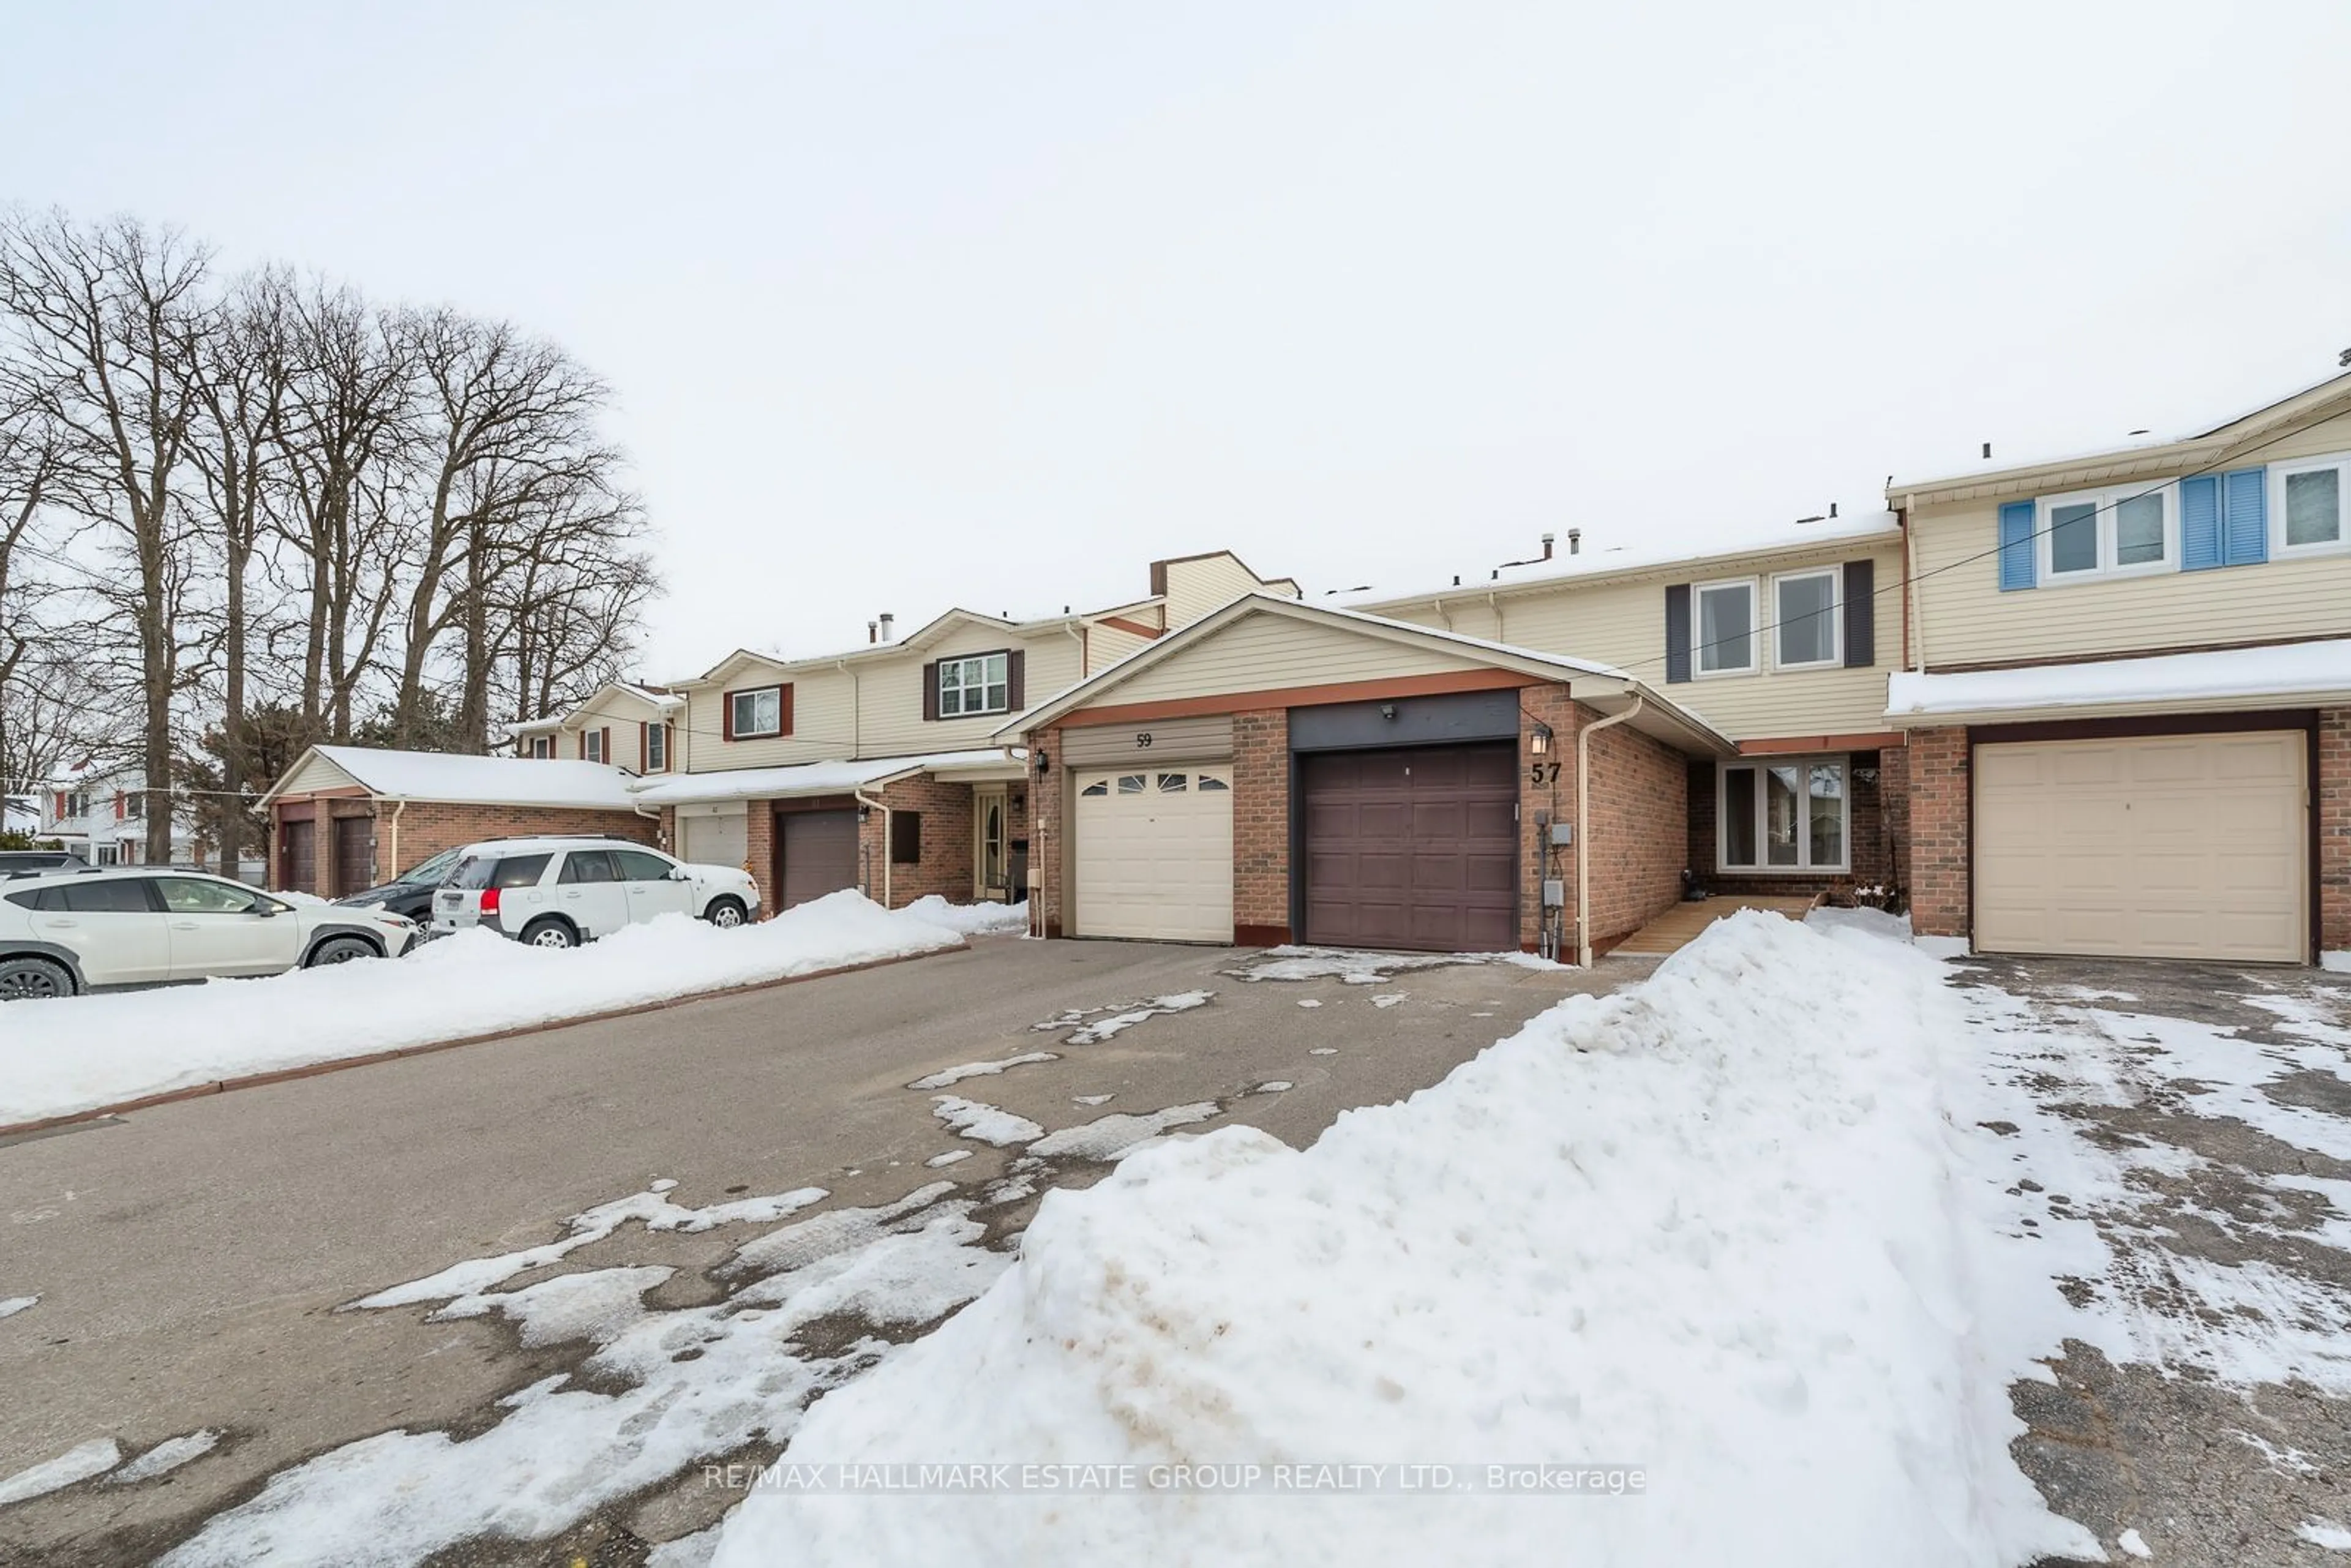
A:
{"x":1574,"y":541}
{"x":888,"y":621}
{"x":1547,"y":541}
{"x":873,"y":631}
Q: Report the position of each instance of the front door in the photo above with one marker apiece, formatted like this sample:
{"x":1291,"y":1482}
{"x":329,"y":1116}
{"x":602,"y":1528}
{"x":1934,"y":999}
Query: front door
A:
{"x":991,"y":873}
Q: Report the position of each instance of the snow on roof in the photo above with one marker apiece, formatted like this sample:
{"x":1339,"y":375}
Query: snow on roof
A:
{"x":1867,"y":527}
{"x":804,"y":779}
{"x":483,"y":780}
{"x":2231,"y":677}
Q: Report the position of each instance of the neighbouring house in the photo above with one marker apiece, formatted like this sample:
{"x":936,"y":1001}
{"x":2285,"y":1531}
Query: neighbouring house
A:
{"x":101,"y":814}
{"x":347,"y":818}
{"x":1282,"y":771}
{"x":2126,"y":697}
{"x":628,"y":726}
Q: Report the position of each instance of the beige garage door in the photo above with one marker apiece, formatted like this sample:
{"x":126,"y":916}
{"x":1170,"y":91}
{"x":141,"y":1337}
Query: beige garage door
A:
{"x":715,"y":840}
{"x":2190,"y":846}
{"x":1154,"y":853}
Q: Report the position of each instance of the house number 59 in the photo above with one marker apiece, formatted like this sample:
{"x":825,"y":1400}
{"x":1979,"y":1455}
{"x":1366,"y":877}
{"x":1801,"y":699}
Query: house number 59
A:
{"x":1143,"y":740}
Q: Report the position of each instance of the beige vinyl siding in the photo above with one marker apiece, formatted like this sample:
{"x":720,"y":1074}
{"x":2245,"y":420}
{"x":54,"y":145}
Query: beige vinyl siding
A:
{"x":1269,"y":651}
{"x":1623,"y":624}
{"x":315,"y":773}
{"x":893,"y":721}
{"x":621,"y":713}
{"x":1967,"y":620}
{"x":1194,"y":587}
{"x":1207,"y":737}
{"x":823,"y":722}
{"x":1105,"y":646}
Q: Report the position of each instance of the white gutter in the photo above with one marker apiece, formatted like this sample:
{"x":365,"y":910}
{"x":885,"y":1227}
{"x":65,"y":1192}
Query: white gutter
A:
{"x":863,"y":799}
{"x":1583,"y":827}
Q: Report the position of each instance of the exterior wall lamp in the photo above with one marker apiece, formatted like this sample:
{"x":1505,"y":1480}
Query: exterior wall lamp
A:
{"x":1044,"y":764}
{"x":1539,"y":739}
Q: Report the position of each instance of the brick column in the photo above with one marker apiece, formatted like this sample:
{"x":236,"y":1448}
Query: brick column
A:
{"x":2333,"y":806}
{"x":1045,"y":830}
{"x":1554,"y":798}
{"x":759,"y":850}
{"x":1894,"y":799}
{"x":1938,"y":766}
{"x":1261,"y":827}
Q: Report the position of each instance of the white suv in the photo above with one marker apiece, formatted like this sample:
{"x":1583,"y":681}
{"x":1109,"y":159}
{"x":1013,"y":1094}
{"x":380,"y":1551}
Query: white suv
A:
{"x":63,"y":933}
{"x":559,"y":892}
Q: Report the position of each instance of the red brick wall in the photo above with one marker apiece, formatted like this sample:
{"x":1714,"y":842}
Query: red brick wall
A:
{"x":428,"y":827}
{"x":1871,"y":823}
{"x":1046,"y":805}
{"x":1639,"y":841}
{"x":1894,"y":801}
{"x":2335,"y":829}
{"x":1554,"y":798}
{"x":760,"y":853}
{"x":945,"y":865}
{"x":1261,"y":826}
{"x":1938,"y":831}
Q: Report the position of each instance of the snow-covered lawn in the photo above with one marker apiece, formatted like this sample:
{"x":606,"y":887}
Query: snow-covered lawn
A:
{"x":59,"y":1057}
{"x":1721,"y":1231}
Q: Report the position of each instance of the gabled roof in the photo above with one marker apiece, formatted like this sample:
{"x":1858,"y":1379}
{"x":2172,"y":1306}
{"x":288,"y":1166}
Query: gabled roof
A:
{"x":930,"y":632}
{"x":806,"y":778}
{"x":1603,"y":686}
{"x":2241,"y":437}
{"x":656,"y":696}
{"x":471,"y":780}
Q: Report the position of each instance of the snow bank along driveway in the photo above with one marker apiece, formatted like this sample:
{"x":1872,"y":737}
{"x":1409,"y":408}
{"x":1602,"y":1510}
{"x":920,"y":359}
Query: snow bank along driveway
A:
{"x":1715,"y":1232}
{"x":59,"y":1057}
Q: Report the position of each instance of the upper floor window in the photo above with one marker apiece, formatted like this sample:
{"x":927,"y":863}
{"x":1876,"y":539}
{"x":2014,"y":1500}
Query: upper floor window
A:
{"x":542,"y":747}
{"x":2108,"y":533}
{"x":753,"y":713}
{"x":1805,"y":616}
{"x":1724,"y":636}
{"x":70,"y":803}
{"x":591,"y":745}
{"x":656,"y":748}
{"x":981,"y":685}
{"x":2309,"y":503}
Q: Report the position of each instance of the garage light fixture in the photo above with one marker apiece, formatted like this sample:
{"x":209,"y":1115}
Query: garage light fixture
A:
{"x":1539,"y":739}
{"x":1043,"y":766}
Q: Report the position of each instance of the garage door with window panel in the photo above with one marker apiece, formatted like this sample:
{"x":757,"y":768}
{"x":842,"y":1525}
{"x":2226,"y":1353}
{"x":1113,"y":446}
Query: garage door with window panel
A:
{"x":2180,"y":846}
{"x":1415,"y":849}
{"x":1154,"y":852}
{"x":819,"y":850}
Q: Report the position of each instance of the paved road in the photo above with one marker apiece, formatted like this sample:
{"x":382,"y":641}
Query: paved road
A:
{"x":188,"y":1259}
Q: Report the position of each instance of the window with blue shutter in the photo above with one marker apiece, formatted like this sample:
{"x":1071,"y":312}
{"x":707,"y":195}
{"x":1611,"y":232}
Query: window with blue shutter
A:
{"x":2245,"y":516}
{"x":2199,"y":524}
{"x":2015,"y":546}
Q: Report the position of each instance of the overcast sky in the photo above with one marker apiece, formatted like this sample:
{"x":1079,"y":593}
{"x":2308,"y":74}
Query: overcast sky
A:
{"x":991,"y":303}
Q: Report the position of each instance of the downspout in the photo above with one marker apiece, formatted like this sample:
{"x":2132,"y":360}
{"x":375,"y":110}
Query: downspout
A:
{"x":1583,"y":827}
{"x":1494,"y":603}
{"x":863,"y":799}
{"x":1910,"y":587}
{"x":856,"y":741}
{"x":391,"y":831}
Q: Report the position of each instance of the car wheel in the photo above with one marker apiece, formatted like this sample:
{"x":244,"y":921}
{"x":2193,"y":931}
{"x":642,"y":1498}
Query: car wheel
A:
{"x":340,"y":950}
{"x":550,"y":932}
{"x":33,"y":979}
{"x":725,"y":913}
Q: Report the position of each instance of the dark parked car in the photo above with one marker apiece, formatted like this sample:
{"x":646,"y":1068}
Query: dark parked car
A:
{"x":25,"y":863}
{"x":411,"y":893}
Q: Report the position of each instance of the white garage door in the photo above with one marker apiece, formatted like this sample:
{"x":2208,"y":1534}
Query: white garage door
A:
{"x":2189,"y":846}
{"x":1154,"y":853}
{"x":714,"y":840}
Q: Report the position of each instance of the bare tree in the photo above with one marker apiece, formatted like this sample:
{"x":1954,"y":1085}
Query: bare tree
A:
{"x":28,"y":461}
{"x":105,"y":321}
{"x":244,"y":387}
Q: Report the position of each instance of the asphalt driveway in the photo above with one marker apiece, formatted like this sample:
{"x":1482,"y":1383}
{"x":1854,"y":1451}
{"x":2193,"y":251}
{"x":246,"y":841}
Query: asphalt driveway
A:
{"x":188,"y":1260}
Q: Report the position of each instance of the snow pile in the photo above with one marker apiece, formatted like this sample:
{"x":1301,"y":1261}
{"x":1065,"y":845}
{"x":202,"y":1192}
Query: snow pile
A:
{"x":1708,"y":1229}
{"x":981,"y":919}
{"x":67,"y":1056}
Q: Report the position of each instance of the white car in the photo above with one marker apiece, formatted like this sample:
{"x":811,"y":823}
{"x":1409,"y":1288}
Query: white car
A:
{"x":64,"y":932}
{"x":559,"y":892}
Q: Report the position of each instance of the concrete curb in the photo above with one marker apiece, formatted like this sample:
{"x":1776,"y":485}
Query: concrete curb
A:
{"x":400,"y":1053}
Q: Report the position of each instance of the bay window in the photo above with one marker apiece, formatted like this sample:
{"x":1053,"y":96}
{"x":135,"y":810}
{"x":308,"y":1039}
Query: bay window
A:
{"x":1783,"y":814}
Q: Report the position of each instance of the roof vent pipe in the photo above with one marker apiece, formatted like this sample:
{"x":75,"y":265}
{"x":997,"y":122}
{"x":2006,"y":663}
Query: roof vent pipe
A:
{"x":873,"y":633}
{"x":1832,"y":508}
{"x":1547,"y":540}
{"x":1574,"y":541}
{"x":888,"y":622}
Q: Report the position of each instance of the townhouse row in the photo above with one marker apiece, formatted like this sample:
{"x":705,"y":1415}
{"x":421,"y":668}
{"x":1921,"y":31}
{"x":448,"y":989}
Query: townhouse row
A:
{"x":2094,"y":705}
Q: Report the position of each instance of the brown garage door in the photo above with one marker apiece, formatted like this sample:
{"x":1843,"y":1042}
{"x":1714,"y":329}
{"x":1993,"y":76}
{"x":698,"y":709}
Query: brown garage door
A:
{"x":1413,"y":848}
{"x":355,"y":855}
{"x":819,"y":850}
{"x":297,"y":855}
